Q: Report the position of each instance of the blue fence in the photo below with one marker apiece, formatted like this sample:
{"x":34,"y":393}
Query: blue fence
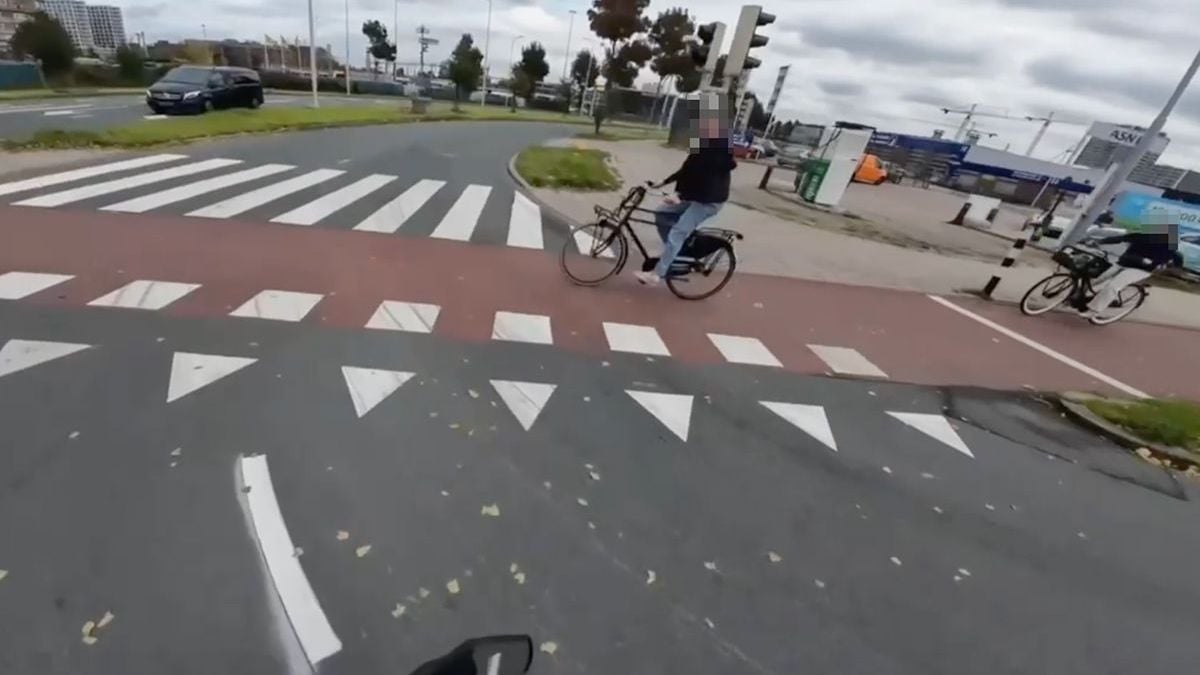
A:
{"x":19,"y":75}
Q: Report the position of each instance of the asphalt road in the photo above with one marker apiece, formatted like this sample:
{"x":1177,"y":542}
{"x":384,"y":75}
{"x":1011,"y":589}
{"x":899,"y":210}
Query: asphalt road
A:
{"x":19,"y":119}
{"x":363,"y":482}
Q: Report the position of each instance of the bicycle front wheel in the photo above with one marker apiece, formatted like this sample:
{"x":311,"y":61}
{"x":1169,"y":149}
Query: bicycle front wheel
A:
{"x":706,"y":277}
{"x":593,"y":253}
{"x":1047,"y":294}
{"x":1129,"y":299}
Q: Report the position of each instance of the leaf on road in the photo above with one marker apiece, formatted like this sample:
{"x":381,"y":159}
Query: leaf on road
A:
{"x":433,"y":414}
{"x":73,"y":435}
{"x":362,"y":550}
{"x":896,"y":561}
{"x":298,"y":552}
{"x":473,"y":393}
{"x":546,"y":484}
{"x":549,"y":647}
{"x":593,"y":475}
{"x":89,"y":640}
{"x":773,"y":556}
{"x":887,"y":469}
{"x":818,"y":583}
{"x":343,"y":535}
{"x":589,"y":467}
{"x":453,"y":586}
{"x":520,"y":577}
{"x":105,"y":620}
{"x":650,"y":577}
{"x":964,"y":571}
{"x":582,"y":501}
{"x":455,"y":425}
{"x":937,"y":509}
{"x":708,"y":622}
{"x":3,"y":573}
{"x":926,"y":475}
{"x":989,"y":507}
{"x":177,"y":452}
{"x":445,"y":494}
{"x":490,"y":510}
{"x":423,"y":592}
{"x":88,"y":628}
{"x":591,"y":525}
{"x":710,"y":566}
{"x":398,"y":611}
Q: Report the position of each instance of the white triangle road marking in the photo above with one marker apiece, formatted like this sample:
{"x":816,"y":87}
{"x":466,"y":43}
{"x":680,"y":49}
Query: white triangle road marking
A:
{"x":18,"y":355}
{"x":810,"y":419}
{"x":17,"y":285}
{"x":673,"y":410}
{"x":413,"y":317}
{"x":524,"y":399}
{"x":935,"y":426}
{"x":190,"y":371}
{"x":369,"y":386}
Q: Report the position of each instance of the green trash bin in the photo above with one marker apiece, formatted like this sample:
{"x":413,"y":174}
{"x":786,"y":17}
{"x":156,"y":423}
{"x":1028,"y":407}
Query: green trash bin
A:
{"x":814,"y":175}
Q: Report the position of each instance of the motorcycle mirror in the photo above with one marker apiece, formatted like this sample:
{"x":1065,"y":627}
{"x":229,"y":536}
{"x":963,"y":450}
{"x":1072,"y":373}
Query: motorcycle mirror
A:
{"x":491,"y":655}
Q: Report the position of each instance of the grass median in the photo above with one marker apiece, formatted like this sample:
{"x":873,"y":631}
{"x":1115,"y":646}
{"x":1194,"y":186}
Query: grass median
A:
{"x":28,"y":94}
{"x":1171,"y":422}
{"x":566,"y":168}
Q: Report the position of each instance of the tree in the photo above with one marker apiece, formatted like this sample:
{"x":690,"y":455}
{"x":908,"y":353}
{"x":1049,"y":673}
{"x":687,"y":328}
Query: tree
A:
{"x":621,"y":23}
{"x":533,"y":62}
{"x":521,"y":85}
{"x":584,"y":71}
{"x":379,"y":47}
{"x":466,"y":68}
{"x":758,"y":116}
{"x":672,"y":54}
{"x":130,"y":63}
{"x":44,"y":38}
{"x":198,"y":53}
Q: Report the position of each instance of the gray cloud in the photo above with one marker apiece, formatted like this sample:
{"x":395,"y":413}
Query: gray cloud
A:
{"x":1151,"y":93}
{"x":888,"y":47}
{"x":840,"y":88}
{"x":145,"y":11}
{"x":928,"y":97}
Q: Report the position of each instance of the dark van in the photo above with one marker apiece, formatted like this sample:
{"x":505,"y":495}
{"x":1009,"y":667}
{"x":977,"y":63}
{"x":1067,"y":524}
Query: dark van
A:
{"x":202,"y":88}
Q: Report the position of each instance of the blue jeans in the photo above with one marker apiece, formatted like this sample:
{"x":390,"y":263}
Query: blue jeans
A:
{"x":675,"y":223}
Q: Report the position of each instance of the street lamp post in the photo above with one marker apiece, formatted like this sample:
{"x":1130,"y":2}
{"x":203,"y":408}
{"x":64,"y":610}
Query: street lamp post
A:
{"x":511,"y":46}
{"x":567,"y":56}
{"x":347,"y":47}
{"x":395,"y":34}
{"x":587,"y":77}
{"x":487,"y":45}
{"x":312,"y":54}
{"x":1099,"y":202}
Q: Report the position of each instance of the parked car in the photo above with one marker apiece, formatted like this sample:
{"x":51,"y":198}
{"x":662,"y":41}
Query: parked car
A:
{"x":203,"y":88}
{"x":871,"y":170}
{"x":791,"y":155}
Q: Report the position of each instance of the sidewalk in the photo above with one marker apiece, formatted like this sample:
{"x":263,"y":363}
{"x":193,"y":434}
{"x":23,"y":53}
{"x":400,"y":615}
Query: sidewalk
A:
{"x":888,"y":242}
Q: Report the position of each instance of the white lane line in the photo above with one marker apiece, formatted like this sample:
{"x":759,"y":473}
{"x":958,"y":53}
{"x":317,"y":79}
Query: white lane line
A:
{"x":18,"y":355}
{"x":1057,"y":356}
{"x":392,"y":215}
{"x":413,"y":317}
{"x":524,"y":399}
{"x":154,"y":117}
{"x":162,"y":198}
{"x":810,"y":419}
{"x":11,"y":110}
{"x":86,"y":172}
{"x":304,"y":611}
{"x":584,"y":242}
{"x":278,"y":305}
{"x":138,"y":180}
{"x":517,"y":327}
{"x":847,"y":361}
{"x":145,"y":294}
{"x":461,"y":219}
{"x":525,"y":223}
{"x":935,"y":426}
{"x":625,"y":337}
{"x":264,"y":195}
{"x":673,"y":410}
{"x":321,"y":207}
{"x":17,"y":285}
{"x":738,"y":349}
{"x":191,"y":371}
{"x":59,"y":113}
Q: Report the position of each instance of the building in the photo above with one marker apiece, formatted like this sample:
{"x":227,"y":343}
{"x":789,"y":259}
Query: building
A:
{"x":108,"y":28}
{"x":12,"y":14}
{"x":73,"y":16}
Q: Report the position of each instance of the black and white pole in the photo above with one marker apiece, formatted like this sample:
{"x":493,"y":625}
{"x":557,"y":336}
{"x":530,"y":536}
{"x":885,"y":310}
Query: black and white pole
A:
{"x":1010,"y":259}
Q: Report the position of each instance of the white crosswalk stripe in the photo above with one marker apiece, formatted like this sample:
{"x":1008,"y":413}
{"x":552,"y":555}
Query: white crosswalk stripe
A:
{"x":278,"y":305}
{"x":200,"y":187}
{"x":264,"y":195}
{"x":129,"y":182}
{"x":392,"y":215}
{"x":461,"y":219}
{"x":525,"y":223}
{"x":145,"y":294}
{"x":317,"y":209}
{"x":53,"y":179}
{"x":847,"y":361}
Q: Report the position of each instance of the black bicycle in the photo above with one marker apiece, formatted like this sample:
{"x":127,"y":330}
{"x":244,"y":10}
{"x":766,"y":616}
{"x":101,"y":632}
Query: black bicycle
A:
{"x":597,"y":251}
{"x":1072,"y":284}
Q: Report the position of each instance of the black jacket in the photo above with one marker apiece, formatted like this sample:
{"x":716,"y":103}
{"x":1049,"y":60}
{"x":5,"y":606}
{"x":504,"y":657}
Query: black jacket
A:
{"x":704,"y":175}
{"x":1147,"y":251}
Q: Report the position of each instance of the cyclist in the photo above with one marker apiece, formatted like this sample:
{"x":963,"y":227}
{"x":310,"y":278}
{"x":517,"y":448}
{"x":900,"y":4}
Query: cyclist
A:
{"x":702,"y":183}
{"x":1155,"y":247}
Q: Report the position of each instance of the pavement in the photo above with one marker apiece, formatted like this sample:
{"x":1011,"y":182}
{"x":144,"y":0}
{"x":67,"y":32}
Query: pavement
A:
{"x":238,"y":445}
{"x":894,"y":236}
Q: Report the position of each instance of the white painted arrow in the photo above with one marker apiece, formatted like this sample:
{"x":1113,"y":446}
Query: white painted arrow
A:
{"x":524,"y":399}
{"x":369,"y":386}
{"x":810,"y":419}
{"x":21,"y":354}
{"x":190,"y":372}
{"x":936,"y":426}
{"x":673,"y":410}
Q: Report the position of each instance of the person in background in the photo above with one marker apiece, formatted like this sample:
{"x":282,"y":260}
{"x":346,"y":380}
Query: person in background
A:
{"x":1154,"y":247}
{"x":702,"y":183}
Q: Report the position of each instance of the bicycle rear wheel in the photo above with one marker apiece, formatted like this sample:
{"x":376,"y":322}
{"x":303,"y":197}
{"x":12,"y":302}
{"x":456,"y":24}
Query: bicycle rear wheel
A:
{"x":593,"y":253}
{"x":1129,"y":299}
{"x":705,"y":277}
{"x":1047,"y":294}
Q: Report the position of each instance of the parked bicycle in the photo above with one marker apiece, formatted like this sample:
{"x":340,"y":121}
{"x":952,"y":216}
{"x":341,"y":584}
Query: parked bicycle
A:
{"x":1071,"y":284}
{"x":597,"y":251}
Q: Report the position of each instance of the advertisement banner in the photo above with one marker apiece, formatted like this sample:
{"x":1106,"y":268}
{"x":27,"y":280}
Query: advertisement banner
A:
{"x":783,"y":73}
{"x":1130,"y":210}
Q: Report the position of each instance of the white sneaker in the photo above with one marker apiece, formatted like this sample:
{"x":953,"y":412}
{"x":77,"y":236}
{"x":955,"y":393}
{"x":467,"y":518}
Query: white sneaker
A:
{"x":648,"y":278}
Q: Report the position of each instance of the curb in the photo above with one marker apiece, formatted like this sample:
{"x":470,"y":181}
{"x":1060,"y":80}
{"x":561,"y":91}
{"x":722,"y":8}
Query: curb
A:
{"x":1071,"y":403}
{"x":558,"y":216}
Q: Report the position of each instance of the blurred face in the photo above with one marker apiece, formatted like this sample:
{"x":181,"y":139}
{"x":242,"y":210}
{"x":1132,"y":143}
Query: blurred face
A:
{"x":1161,"y":222}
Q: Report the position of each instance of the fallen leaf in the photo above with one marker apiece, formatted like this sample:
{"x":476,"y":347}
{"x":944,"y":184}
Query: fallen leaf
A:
{"x":896,"y":561}
{"x":582,"y":501}
{"x":887,"y":469}
{"x":174,"y":464}
{"x":1144,"y":453}
{"x":177,"y":452}
{"x":445,"y":494}
{"x":710,"y":566}
{"x":709,"y":622}
{"x":88,"y":627}
{"x":514,"y":568}
{"x":773,"y":556}
{"x":587,"y":399}
{"x":957,"y":578}
{"x":298,"y":552}
{"x":989,"y":507}
{"x":490,"y":510}
{"x":105,"y":620}
{"x":1081,"y":535}
{"x":398,"y":611}
{"x":452,"y":586}
{"x":549,"y":648}
{"x":473,"y":393}
{"x":520,"y":577}
{"x":871,"y":393}
{"x":3,"y":573}
{"x":454,"y":425}
{"x":818,"y":583}
{"x":362,"y":550}
{"x":650,"y":577}
{"x":591,"y":525}
{"x":594,"y":475}
{"x":343,"y":535}
{"x":89,"y":640}
{"x":423,"y":592}
{"x":926,"y":474}
{"x":937,"y":509}
{"x":546,"y":484}
{"x":965,"y":572}
{"x":73,"y":435}
{"x":433,"y":414}
{"x":589,"y":467}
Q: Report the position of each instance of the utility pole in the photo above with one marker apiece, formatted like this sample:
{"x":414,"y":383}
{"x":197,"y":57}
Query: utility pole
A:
{"x":312,"y":54}
{"x":424,"y":40}
{"x":347,"y":47}
{"x":1106,"y":192}
{"x":1037,"y":138}
{"x":395,"y":33}
{"x":567,"y":56}
{"x":487,"y":45}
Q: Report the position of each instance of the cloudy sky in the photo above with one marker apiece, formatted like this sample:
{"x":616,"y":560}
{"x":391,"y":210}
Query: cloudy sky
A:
{"x":891,"y":64}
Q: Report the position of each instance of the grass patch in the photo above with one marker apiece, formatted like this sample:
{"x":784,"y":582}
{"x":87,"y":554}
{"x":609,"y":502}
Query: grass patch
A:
{"x":569,"y":168}
{"x":1168,"y":421}
{"x":622,"y":133}
{"x":26,"y":94}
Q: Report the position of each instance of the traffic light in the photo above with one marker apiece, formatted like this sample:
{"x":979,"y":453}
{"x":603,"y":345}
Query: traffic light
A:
{"x":745,"y":39}
{"x":708,"y":50}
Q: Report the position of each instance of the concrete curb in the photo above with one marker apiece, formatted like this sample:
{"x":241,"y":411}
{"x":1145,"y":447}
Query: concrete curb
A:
{"x":1072,"y":404}
{"x":558,"y":216}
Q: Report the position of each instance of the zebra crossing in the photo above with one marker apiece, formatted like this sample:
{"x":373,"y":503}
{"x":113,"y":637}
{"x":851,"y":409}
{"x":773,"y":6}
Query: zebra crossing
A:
{"x":224,"y":188}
